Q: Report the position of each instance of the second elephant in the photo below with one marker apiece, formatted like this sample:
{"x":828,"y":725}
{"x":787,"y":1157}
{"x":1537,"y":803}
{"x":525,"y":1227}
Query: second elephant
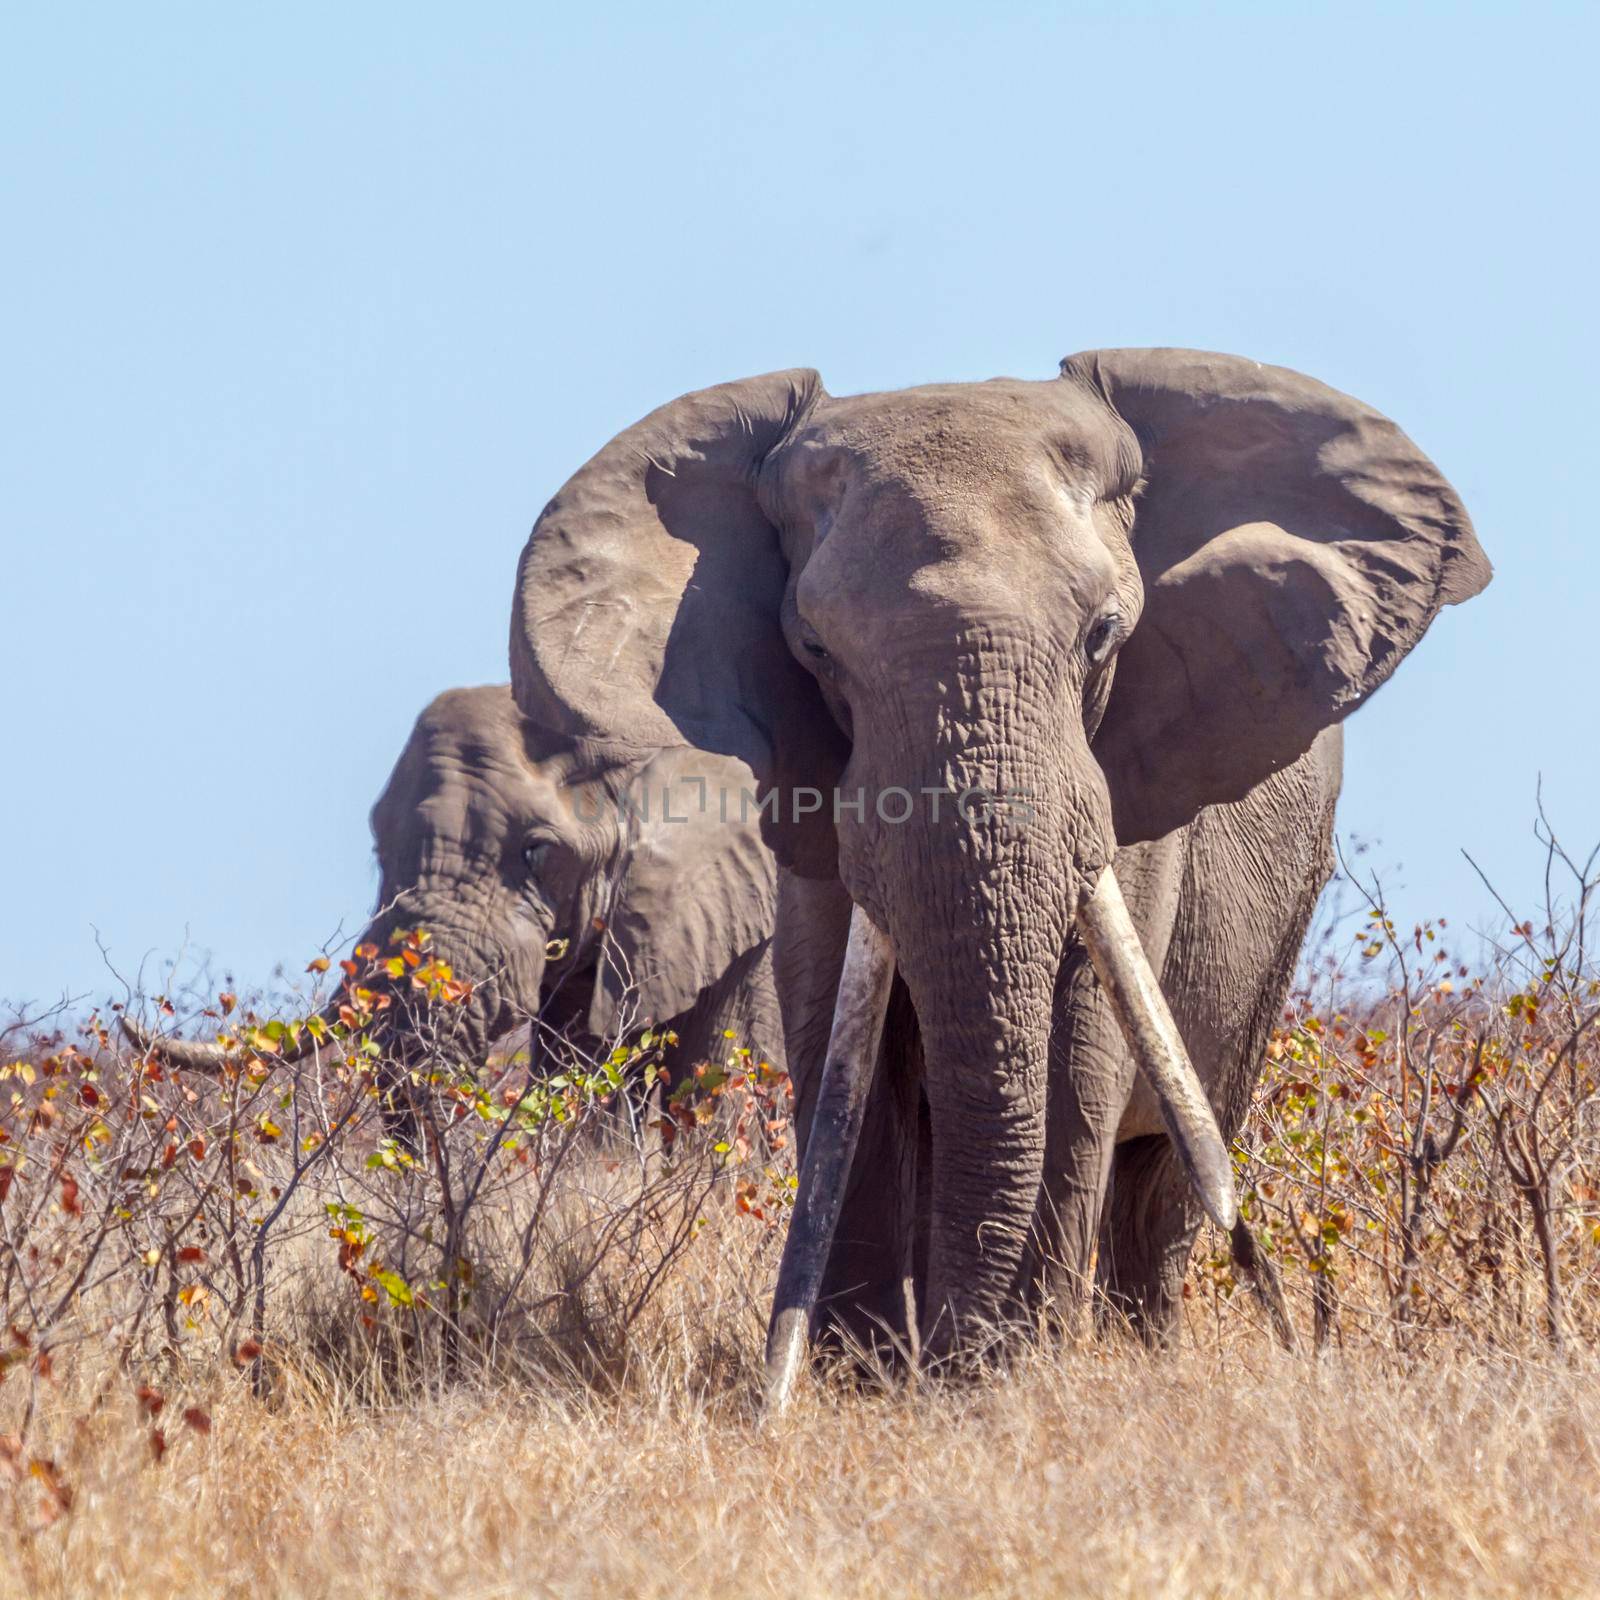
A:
{"x":596,"y":895}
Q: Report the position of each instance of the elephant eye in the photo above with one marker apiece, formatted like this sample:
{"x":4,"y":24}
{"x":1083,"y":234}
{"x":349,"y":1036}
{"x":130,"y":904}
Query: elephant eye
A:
{"x":813,"y":646}
{"x":535,"y":853}
{"x":1101,"y":637}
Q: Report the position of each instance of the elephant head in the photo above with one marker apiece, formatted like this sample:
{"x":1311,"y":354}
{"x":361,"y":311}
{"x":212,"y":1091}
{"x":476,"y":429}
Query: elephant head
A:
{"x":1008,"y":626}
{"x":592,"y":891}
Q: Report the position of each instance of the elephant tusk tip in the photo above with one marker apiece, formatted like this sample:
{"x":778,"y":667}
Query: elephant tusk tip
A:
{"x":786,"y":1351}
{"x":1224,"y":1209}
{"x":1217,"y":1197}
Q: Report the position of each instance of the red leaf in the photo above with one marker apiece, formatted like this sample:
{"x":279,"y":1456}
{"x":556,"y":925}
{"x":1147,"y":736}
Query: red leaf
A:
{"x":158,"y":1442}
{"x":191,"y":1252}
{"x":248,"y":1350}
{"x":70,"y":1203}
{"x":151,"y":1400}
{"x":197,"y":1419}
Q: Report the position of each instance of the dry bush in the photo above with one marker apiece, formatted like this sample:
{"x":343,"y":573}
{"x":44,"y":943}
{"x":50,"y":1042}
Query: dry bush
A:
{"x":325,"y":1329}
{"x":1422,"y":1159}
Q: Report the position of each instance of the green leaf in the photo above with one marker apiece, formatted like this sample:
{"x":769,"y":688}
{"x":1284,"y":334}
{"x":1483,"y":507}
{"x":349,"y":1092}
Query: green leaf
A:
{"x":393,"y":1285}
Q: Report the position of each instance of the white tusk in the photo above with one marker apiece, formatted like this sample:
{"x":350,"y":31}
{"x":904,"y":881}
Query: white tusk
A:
{"x":1124,"y":971}
{"x":858,"y":1014}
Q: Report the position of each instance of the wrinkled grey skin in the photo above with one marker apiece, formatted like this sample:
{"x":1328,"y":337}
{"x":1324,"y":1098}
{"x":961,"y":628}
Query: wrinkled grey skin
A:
{"x":496,"y":838}
{"x":587,"y":892}
{"x":1144,"y":594}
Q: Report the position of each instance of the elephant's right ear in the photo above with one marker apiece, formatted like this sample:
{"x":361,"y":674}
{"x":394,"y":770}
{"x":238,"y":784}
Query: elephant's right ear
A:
{"x":647,"y":605}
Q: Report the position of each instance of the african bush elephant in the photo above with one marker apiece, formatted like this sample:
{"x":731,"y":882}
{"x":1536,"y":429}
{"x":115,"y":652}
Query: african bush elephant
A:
{"x":592,"y":896}
{"x":1112,"y":617}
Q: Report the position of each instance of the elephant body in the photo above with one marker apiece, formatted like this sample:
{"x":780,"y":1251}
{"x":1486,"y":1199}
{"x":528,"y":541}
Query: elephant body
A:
{"x":1113,"y":620}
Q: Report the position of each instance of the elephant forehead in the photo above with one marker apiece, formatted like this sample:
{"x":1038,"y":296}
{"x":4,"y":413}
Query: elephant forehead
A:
{"x":468,"y":770}
{"x":984,"y":438}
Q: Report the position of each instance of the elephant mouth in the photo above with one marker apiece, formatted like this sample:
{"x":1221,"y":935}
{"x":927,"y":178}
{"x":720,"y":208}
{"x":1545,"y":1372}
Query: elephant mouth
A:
{"x":1103,"y":924}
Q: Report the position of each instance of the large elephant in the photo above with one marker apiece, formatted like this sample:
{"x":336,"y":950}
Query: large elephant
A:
{"x":593,"y":895}
{"x":1030,"y":641}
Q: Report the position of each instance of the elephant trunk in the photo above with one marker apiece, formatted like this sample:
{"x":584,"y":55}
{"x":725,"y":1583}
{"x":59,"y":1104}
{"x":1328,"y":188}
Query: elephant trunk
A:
{"x":982,"y":989}
{"x":415,"y":1022}
{"x":979,"y":904}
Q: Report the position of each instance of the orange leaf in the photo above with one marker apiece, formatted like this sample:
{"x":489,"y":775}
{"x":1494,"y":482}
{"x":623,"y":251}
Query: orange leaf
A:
{"x":227,"y":1001}
{"x":47,"y":1474}
{"x":319,"y":965}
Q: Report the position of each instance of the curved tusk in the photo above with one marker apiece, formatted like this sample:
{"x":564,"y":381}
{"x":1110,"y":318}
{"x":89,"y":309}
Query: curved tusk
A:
{"x":189,"y":1055}
{"x":195,"y":1055}
{"x":858,"y":1016}
{"x":1124,"y":971}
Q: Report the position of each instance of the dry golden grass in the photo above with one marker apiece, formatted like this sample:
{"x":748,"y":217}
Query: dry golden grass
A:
{"x":530,"y":1365}
{"x":1103,"y":1472}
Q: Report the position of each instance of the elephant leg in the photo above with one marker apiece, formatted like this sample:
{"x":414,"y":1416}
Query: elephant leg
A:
{"x":879,"y":1246}
{"x":1150,"y":1224}
{"x":1253,"y":873}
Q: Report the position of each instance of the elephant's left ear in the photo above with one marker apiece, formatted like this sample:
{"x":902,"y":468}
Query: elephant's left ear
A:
{"x":697,"y":888}
{"x":1294,"y":545}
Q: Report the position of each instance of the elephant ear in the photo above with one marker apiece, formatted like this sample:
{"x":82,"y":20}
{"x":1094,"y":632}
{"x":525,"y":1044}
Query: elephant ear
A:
{"x":697,"y":889}
{"x":647,"y":605}
{"x":1294,"y":545}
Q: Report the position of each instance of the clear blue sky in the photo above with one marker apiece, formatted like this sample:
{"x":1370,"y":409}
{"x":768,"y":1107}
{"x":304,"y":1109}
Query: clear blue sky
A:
{"x":308,"y":310}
